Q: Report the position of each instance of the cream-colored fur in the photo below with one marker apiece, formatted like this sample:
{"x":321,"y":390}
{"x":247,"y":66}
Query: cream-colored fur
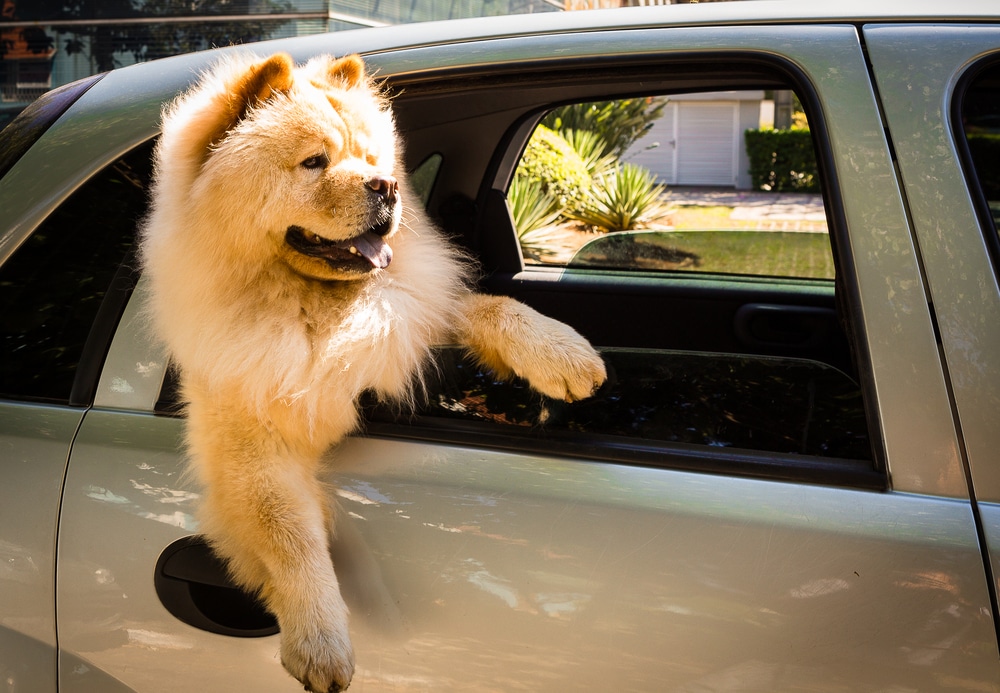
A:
{"x":259,"y":164}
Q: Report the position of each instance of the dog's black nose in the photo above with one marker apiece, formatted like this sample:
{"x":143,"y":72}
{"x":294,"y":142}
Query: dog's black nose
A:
{"x":385,"y":187}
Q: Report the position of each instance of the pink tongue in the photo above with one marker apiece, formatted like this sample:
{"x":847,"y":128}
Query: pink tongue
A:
{"x":371,"y":247}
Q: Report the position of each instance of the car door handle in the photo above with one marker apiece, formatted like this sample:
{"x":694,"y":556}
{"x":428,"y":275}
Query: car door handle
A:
{"x":764,"y":325}
{"x":193,"y":585}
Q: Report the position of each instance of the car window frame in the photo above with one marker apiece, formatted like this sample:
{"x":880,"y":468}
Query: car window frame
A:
{"x":421,"y":62}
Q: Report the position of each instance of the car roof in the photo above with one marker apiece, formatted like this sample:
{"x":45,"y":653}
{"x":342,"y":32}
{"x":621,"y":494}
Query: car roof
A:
{"x":121,"y":110}
{"x":399,"y":36}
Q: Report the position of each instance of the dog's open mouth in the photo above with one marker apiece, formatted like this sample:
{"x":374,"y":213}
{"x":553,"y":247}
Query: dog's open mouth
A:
{"x":363,"y":253}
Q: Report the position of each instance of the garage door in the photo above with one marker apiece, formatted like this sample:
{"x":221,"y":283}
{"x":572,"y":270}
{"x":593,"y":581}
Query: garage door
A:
{"x":692,"y":143}
{"x":706,"y":143}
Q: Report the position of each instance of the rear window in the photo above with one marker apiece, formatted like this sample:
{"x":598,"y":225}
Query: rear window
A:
{"x":53,"y":286}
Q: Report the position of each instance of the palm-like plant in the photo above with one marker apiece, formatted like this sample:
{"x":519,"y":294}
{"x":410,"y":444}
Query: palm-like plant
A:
{"x":626,"y":198}
{"x":593,"y":150}
{"x":535,"y":213}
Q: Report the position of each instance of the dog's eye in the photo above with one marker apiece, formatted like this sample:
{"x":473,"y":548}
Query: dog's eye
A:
{"x":317,"y":161}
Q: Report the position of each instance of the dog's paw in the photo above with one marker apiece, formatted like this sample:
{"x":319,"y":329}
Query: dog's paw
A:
{"x":508,"y":337}
{"x":322,"y":659}
{"x":564,"y":366}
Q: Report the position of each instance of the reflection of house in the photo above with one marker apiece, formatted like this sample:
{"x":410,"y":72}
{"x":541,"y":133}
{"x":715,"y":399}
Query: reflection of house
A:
{"x":699,"y":139}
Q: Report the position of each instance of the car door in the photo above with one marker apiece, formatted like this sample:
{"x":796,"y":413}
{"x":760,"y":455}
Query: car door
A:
{"x":950,"y":185}
{"x":475,"y":557}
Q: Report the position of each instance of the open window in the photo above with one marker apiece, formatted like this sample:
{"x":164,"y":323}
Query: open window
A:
{"x":690,"y":182}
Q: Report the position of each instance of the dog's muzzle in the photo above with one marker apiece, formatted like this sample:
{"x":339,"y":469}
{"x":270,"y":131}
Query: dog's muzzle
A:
{"x":365,"y":252}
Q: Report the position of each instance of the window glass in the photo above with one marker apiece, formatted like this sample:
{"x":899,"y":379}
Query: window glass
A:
{"x":52,"y":287}
{"x":699,"y":182}
{"x":423,"y":176}
{"x":980,"y":119}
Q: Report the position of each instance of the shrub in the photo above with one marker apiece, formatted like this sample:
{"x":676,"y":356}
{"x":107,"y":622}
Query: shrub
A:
{"x":553,"y":164}
{"x":782,"y":160}
{"x":535,"y":214}
{"x":627,"y":198}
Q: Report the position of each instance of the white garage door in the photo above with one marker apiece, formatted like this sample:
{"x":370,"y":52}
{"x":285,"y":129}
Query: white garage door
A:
{"x":706,"y":143}
{"x":692,"y":143}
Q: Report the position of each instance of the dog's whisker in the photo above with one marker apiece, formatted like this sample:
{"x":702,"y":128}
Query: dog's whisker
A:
{"x":410,"y":217}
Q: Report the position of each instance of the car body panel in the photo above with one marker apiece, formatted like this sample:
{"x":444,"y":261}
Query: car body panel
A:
{"x":436,"y":532}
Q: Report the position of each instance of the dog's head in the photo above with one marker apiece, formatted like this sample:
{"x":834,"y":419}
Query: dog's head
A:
{"x":296,"y":164}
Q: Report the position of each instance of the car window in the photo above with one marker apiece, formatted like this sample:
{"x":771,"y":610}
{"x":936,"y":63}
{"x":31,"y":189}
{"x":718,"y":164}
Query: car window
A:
{"x":779,"y":405}
{"x":422,"y":178}
{"x":695,"y":248}
{"x":699,"y":182}
{"x":53,"y":286}
{"x":980,"y":120}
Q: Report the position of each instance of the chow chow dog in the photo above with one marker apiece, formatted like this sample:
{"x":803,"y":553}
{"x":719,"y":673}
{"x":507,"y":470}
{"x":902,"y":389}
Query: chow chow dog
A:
{"x":291,"y":269}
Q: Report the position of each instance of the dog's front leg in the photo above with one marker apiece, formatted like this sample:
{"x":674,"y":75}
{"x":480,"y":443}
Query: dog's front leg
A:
{"x":265,"y":512}
{"x":509,"y":337}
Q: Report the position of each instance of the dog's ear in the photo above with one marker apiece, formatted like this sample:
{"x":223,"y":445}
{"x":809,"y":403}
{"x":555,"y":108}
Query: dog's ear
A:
{"x":261,"y":81}
{"x":255,"y":85}
{"x":347,"y":72}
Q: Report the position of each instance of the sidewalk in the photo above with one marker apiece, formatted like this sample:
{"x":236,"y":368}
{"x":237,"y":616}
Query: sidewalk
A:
{"x":756,"y":210}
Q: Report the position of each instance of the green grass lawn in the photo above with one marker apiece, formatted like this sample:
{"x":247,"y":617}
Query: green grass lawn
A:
{"x":767,"y":253}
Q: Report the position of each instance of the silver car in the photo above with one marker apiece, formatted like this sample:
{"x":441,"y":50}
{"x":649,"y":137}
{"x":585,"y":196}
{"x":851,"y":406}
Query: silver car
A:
{"x":792,"y":482}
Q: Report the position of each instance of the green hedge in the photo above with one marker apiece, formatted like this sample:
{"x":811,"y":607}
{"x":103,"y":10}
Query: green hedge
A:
{"x":782,"y":160}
